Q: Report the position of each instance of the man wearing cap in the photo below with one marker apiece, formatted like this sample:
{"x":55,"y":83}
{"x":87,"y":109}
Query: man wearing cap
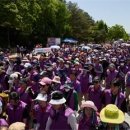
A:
{"x":56,"y":83}
{"x":75,"y":83}
{"x":111,"y":74}
{"x":95,"y":93}
{"x":98,"y":67}
{"x":71,"y":96}
{"x":16,"y":109}
{"x":41,"y":112}
{"x":85,"y":79}
{"x":115,"y":96}
{"x":61,"y":117}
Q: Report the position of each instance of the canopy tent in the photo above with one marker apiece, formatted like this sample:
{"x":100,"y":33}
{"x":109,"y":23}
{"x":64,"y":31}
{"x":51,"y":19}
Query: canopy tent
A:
{"x":55,"y":47}
{"x":86,"y":48}
{"x":70,"y":40}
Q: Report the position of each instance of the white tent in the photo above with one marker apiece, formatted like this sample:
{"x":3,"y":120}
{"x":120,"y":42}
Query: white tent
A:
{"x":55,"y":47}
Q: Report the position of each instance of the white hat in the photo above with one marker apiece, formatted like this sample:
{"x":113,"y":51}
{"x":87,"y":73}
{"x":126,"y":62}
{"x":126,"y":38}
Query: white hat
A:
{"x":56,"y":79}
{"x":41,"y":97}
{"x":26,"y":65}
{"x":89,"y":104}
{"x":13,"y":77}
{"x":57,"y":98}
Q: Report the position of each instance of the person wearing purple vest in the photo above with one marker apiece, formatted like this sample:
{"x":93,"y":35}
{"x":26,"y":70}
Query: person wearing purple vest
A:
{"x":122,"y":72}
{"x":85,"y":79}
{"x":61,"y":117}
{"x":115,"y":96}
{"x":127,"y":85}
{"x":95,"y":93}
{"x":41,"y":112}
{"x":98,"y":67}
{"x":25,"y":92}
{"x":3,"y":122}
{"x":110,"y":75}
{"x":88,"y":118}
{"x":71,"y":96}
{"x":16,"y":109}
{"x":75,"y":84}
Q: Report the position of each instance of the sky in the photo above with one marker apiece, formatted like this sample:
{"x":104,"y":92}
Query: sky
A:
{"x":110,"y":11}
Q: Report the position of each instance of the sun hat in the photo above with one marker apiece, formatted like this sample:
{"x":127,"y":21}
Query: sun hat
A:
{"x":45,"y":81}
{"x":41,"y":97}
{"x":57,"y":98}
{"x":27,"y":65}
{"x":4,"y":95}
{"x":12,"y":77}
{"x":111,"y":114}
{"x":56,"y":79}
{"x":96,"y":79}
{"x":17,"y":126}
{"x":89,"y":104}
{"x":111,"y":65}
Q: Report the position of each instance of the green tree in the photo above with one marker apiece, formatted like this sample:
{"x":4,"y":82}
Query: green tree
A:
{"x":80,"y":22}
{"x":99,"y":32}
{"x":117,"y":32}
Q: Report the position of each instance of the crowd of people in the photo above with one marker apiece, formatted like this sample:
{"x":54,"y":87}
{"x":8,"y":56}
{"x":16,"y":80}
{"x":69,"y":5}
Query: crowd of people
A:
{"x":69,"y":88}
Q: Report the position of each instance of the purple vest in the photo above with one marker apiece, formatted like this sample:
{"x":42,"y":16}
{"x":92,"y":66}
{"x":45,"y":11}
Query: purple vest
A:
{"x":60,"y":119}
{"x":77,"y":86}
{"x":98,"y":67}
{"x":15,"y":115}
{"x":96,"y":96}
{"x":70,"y":100}
{"x":25,"y":97}
{"x":84,"y":80}
{"x":110,"y":77}
{"x":3,"y":122}
{"x":108,"y":97}
{"x":88,"y":125}
{"x":41,"y":115}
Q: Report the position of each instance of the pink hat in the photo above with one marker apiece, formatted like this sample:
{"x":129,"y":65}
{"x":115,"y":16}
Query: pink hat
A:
{"x":45,"y":81}
{"x":89,"y":104}
{"x":56,"y":79}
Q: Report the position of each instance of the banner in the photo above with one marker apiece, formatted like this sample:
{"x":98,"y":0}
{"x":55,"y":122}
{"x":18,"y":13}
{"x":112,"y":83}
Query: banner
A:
{"x":42,"y":50}
{"x":53,"y":41}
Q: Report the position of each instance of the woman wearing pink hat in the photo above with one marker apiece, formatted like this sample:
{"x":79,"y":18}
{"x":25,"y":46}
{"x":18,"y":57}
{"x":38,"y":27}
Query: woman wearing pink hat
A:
{"x":88,"y":119}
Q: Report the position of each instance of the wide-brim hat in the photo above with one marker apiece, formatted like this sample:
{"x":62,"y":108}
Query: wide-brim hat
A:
{"x":89,"y":104}
{"x":41,"y":97}
{"x":111,"y":114}
{"x":57,"y":102}
{"x":56,"y":79}
{"x":45,"y":81}
{"x":57,"y":98}
{"x":17,"y":126}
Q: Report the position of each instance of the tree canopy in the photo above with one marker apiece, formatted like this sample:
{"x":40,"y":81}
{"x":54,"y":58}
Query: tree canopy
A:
{"x":24,"y":21}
